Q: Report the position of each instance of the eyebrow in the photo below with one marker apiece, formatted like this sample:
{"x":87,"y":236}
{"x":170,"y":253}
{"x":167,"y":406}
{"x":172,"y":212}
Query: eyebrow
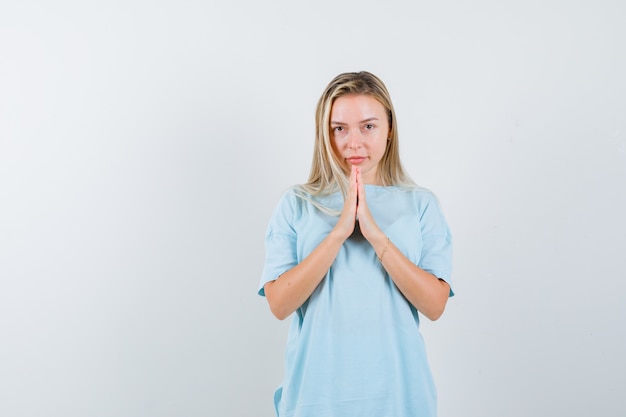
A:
{"x":369,"y":119}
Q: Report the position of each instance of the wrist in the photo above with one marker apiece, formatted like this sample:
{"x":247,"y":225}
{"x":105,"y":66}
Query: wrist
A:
{"x":337,"y":236}
{"x":378,"y":241}
{"x":380,"y":253}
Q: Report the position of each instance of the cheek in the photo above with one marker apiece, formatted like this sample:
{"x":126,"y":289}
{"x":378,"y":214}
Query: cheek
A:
{"x":381,"y":146}
{"x":336,"y":145}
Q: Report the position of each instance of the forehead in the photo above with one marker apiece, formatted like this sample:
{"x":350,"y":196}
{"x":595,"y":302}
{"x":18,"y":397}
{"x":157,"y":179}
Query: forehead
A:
{"x":355,"y":105}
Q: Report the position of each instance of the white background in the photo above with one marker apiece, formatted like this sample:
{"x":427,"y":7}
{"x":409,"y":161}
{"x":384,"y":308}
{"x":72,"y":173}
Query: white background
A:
{"x":144,"y":145}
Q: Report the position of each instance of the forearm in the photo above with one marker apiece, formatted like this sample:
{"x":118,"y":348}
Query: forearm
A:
{"x":427,"y":293}
{"x":293,"y":288}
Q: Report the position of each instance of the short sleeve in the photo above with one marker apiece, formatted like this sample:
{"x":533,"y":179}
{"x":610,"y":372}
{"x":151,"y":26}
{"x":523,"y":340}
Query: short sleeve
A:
{"x":436,"y":241}
{"x":280,"y":241}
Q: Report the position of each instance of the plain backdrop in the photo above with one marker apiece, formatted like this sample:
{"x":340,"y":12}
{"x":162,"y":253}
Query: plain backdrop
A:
{"x":144,"y":145}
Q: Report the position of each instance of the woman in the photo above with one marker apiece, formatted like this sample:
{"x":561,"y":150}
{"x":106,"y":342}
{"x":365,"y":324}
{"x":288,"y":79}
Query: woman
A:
{"x":356,"y":253}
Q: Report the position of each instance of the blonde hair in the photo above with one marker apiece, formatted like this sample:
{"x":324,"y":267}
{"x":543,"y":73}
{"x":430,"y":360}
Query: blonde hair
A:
{"x":327,"y":175}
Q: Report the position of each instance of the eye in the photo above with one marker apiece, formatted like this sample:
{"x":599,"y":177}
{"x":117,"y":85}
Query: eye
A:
{"x":338,"y":129}
{"x":369,"y":126}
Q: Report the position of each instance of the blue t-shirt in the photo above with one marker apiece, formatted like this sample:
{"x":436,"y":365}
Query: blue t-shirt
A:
{"x":354,"y":347}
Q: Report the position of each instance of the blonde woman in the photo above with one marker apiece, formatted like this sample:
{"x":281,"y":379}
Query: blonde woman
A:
{"x":356,"y":253}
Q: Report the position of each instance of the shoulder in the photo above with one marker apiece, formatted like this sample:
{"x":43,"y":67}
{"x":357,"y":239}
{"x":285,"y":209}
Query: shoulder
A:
{"x":287,"y":200}
{"x":293,"y":201}
{"x":302,"y":202}
{"x":423,"y":200}
{"x":417,"y":194}
{"x":294,"y":197}
{"x":429,"y":210}
{"x":418,"y":191}
{"x":284,"y":214}
{"x":424,"y":195}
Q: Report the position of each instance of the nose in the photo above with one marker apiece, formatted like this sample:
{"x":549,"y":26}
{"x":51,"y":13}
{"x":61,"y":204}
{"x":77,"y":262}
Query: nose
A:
{"x":355,"y":139}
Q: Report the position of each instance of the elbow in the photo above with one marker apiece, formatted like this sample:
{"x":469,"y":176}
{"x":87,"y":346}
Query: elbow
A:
{"x":434,"y":314}
{"x":278,"y":312}
{"x":439,"y":305}
{"x":436,"y":310}
{"x":278,"y":308}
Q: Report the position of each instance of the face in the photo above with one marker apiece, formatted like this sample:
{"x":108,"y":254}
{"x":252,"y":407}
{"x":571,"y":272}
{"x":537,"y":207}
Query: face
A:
{"x":359,"y":129}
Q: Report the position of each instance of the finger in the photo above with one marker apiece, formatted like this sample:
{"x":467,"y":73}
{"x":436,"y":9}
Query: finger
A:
{"x":354,"y":182}
{"x":361,"y":186}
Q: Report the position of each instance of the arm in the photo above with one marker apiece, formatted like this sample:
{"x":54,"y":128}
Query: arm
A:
{"x":289,"y":291}
{"x":293,"y":288}
{"x":423,"y":290}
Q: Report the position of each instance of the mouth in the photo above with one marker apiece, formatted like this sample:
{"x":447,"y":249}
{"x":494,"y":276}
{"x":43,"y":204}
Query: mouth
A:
{"x":356,"y":160}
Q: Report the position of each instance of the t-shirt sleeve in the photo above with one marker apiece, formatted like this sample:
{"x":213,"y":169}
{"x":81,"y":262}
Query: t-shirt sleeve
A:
{"x":436,"y":242}
{"x":280,"y":242}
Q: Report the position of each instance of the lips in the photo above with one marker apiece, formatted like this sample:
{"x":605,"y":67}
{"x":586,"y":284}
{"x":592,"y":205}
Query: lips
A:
{"x":356,"y":160}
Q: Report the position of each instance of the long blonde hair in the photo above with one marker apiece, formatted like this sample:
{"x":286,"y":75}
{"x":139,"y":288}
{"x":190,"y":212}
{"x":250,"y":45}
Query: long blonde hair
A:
{"x":326,"y":175}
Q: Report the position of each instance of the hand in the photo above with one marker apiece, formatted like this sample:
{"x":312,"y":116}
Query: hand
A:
{"x":347,"y":220}
{"x":367,"y":224}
